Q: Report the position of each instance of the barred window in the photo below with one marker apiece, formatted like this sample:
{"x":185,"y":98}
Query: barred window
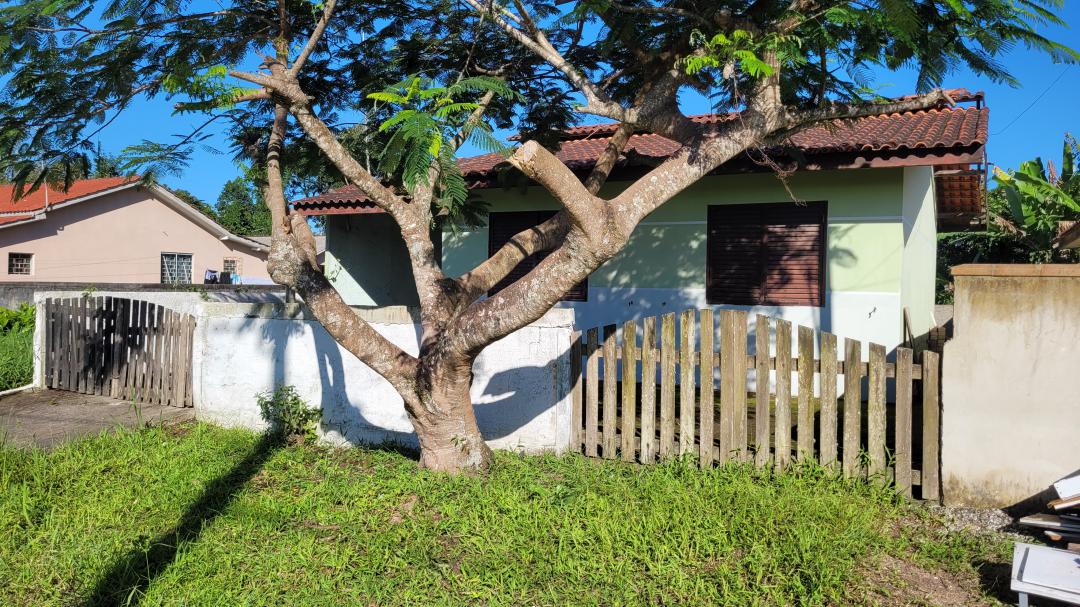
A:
{"x":20,"y":263}
{"x":176,"y":268}
{"x":231,"y":265}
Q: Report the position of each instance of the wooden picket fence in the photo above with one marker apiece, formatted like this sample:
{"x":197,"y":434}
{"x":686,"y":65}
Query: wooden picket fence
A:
{"x":712,"y":420}
{"x":122,"y":348}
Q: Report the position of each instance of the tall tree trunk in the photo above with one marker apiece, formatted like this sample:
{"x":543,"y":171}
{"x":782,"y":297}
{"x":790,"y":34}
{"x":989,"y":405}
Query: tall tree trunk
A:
{"x":443,"y":416}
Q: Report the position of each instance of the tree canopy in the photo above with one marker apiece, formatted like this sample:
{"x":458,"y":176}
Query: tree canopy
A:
{"x":382,"y":93}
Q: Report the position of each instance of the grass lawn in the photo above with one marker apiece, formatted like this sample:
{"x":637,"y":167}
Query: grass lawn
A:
{"x":197,"y":515}
{"x":16,"y":359}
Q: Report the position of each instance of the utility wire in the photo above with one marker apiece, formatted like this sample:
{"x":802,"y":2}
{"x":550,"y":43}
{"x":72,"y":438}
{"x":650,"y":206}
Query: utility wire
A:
{"x":1034,"y":101}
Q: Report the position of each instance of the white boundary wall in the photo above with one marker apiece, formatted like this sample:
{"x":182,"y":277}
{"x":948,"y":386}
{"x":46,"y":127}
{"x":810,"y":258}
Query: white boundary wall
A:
{"x":521,"y":383}
{"x":520,"y":386}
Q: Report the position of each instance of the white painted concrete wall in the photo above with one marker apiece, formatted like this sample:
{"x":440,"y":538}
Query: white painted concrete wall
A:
{"x":520,"y":386}
{"x":919,"y":261}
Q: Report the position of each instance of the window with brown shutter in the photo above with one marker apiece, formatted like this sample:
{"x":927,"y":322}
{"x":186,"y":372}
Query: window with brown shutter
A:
{"x":766,"y":254}
{"x":503,"y":226}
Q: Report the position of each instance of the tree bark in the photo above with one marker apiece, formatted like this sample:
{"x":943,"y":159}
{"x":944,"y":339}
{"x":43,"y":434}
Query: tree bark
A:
{"x":443,"y":417}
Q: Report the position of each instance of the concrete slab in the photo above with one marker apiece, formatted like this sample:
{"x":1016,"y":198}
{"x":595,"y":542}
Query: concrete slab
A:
{"x":47,"y":418}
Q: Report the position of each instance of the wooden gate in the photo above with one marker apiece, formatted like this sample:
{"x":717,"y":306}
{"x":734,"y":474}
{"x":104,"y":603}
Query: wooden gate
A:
{"x":122,"y":348}
{"x":639,"y":401}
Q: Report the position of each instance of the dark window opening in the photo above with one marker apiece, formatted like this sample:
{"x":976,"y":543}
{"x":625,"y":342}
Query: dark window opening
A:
{"x":766,"y":254}
{"x":503,"y":226}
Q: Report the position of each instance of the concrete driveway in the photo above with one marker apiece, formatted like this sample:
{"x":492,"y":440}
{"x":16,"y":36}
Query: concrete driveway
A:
{"x":47,"y":418}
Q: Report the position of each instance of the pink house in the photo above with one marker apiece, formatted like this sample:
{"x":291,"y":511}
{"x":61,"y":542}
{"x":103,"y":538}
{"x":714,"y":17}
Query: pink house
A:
{"x":118,"y":230}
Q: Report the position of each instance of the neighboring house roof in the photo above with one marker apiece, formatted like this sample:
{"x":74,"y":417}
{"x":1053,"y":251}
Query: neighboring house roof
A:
{"x":320,"y":242}
{"x":46,"y":195}
{"x":952,"y":136}
{"x":34,"y":207}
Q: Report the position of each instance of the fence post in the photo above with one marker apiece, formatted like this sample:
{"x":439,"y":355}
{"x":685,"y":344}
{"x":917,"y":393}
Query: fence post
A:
{"x":902,"y":435}
{"x":875,"y":412}
{"x":738,"y":353}
{"x":804,"y":447}
{"x":611,"y":385}
{"x":648,"y":391}
{"x":852,"y":405}
{"x":629,"y":389}
{"x":687,"y":387}
{"x":783,"y":392}
{"x":828,"y":400}
{"x":575,"y":391}
{"x":592,"y":392}
{"x":931,"y":466}
{"x":762,"y":413}
{"x":667,"y":385}
{"x":705,"y":373}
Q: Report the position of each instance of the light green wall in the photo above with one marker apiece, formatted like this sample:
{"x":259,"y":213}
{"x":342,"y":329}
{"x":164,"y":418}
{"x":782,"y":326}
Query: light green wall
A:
{"x":920,"y":249}
{"x":367,"y":262}
{"x":865,"y":237}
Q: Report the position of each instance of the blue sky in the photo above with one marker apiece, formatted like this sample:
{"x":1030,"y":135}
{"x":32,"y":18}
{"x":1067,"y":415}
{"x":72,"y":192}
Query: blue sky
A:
{"x":1025,"y":122}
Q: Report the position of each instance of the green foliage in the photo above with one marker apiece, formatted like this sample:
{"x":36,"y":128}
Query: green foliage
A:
{"x":241,"y":209}
{"x":196,"y":202}
{"x":16,"y":359}
{"x":742,"y":50}
{"x":200,"y":515}
{"x":20,"y":319}
{"x":287,"y":413}
{"x":1030,"y":202}
{"x":983,"y":246}
{"x":427,"y":119}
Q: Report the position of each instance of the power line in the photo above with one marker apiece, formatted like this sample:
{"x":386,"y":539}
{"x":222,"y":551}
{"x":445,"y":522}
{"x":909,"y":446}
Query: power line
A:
{"x":1034,"y":101}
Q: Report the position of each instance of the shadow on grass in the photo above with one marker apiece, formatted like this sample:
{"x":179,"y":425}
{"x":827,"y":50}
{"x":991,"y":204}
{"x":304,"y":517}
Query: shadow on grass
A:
{"x":129,"y":577}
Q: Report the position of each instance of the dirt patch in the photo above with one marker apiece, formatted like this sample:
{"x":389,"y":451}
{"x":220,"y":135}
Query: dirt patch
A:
{"x":895,"y":582}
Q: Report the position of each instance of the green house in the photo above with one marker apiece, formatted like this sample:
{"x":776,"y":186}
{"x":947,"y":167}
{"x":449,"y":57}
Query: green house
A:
{"x":843,"y":239}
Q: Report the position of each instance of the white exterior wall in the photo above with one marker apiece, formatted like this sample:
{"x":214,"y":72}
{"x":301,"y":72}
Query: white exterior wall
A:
{"x":520,"y":385}
{"x":919,"y":263}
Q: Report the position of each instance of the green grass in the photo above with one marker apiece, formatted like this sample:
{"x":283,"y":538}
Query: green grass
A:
{"x":204,"y":516}
{"x":16,"y":359}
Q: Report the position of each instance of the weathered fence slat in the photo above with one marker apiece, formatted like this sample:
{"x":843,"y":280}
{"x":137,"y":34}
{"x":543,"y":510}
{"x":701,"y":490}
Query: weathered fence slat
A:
{"x":762,"y":415}
{"x":902,"y":433}
{"x":828,"y":400}
{"x":611,"y":380}
{"x":687,"y":382}
{"x":738,"y":353}
{"x":629,"y":390}
{"x":838,"y":430}
{"x":931,"y":411}
{"x":667,"y":386}
{"x":875,"y":416}
{"x":783,"y":393}
{"x":592,"y":393}
{"x":648,"y":391}
{"x":705,"y":372}
{"x":852,"y":405}
{"x":576,"y":413}
{"x":804,"y":448}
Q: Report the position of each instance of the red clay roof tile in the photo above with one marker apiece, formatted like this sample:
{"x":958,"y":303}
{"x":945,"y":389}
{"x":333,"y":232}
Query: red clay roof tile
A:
{"x":940,"y":129}
{"x":36,"y":200}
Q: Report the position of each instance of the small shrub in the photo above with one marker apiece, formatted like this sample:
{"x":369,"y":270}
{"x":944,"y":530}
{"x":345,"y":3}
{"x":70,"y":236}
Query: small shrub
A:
{"x":287,"y":413}
{"x":19,"y":319}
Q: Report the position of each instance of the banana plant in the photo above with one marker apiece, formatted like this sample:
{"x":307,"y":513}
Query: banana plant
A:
{"x":1031,"y":201}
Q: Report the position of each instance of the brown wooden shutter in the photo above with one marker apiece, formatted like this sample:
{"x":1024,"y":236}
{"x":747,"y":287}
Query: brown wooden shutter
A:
{"x":795,"y":241}
{"x":502,"y":226}
{"x":766,"y":254}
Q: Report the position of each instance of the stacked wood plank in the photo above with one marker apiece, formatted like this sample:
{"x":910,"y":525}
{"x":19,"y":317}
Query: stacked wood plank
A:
{"x":123,"y":348}
{"x":679,"y":385}
{"x":1064,"y":524}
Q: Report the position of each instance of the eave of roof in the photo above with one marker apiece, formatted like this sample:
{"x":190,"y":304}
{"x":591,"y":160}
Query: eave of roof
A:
{"x":947,"y":135}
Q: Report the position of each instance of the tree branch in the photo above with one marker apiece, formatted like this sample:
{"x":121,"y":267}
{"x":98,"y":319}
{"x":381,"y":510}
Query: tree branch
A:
{"x":485,"y":276}
{"x":313,"y":40}
{"x":543,"y":167}
{"x":606,"y":162}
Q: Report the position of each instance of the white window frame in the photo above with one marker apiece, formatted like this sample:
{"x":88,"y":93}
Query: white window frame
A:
{"x":30,"y":266}
{"x":236,"y":260}
{"x":177,"y":254}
